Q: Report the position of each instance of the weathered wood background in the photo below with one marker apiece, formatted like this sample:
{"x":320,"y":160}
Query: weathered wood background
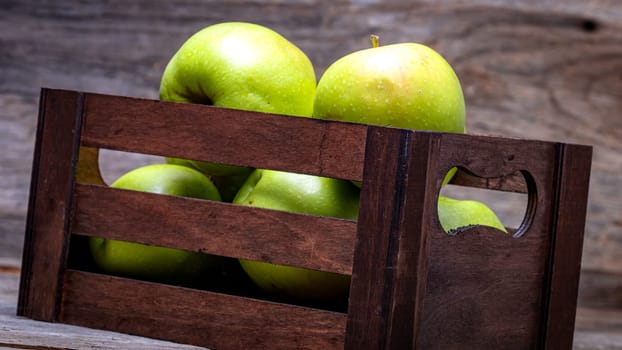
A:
{"x":542,"y":70}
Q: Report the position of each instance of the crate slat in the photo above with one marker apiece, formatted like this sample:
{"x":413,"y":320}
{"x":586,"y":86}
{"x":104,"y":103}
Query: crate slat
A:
{"x":217,"y":321}
{"x":199,"y":132}
{"x":313,"y":242}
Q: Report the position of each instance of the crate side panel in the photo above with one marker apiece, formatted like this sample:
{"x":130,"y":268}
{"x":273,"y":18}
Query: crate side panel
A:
{"x":484,"y":290}
{"x":285,"y":238}
{"x":195,"y":317}
{"x":226,"y":136}
{"x":46,"y":238}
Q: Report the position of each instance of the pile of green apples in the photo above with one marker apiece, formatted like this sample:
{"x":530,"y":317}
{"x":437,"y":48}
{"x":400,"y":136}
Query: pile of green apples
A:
{"x":250,"y":67}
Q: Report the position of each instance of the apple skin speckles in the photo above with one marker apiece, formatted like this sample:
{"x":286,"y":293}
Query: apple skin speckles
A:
{"x":405,"y":85}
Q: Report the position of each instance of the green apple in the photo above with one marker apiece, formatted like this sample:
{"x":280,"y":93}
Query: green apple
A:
{"x":302,"y":194}
{"x":405,"y":85}
{"x":152,"y":262}
{"x":455,"y":214}
{"x":242,"y":66}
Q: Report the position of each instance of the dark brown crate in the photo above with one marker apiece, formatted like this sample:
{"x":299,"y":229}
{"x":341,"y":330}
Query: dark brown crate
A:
{"x":413,"y":286}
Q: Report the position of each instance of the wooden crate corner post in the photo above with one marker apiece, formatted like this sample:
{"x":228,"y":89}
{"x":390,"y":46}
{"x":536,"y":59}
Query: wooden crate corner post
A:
{"x":392,"y":248}
{"x":46,"y":241}
{"x":569,"y":215}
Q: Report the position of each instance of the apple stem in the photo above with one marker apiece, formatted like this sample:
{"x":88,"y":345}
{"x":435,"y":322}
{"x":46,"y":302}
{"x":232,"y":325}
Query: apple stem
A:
{"x":375,"y":40}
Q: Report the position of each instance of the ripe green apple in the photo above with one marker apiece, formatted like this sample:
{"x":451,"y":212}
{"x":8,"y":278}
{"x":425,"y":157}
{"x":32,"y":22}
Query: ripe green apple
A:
{"x":151,"y":262}
{"x":405,"y":85}
{"x":302,"y":194}
{"x":455,"y":214}
{"x":242,"y":66}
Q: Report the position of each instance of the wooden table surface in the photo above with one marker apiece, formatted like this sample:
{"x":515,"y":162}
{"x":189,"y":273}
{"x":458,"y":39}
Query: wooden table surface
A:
{"x":542,"y":70}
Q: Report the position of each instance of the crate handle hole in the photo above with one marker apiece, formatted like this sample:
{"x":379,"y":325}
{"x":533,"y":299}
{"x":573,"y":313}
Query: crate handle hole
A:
{"x":469,"y":201}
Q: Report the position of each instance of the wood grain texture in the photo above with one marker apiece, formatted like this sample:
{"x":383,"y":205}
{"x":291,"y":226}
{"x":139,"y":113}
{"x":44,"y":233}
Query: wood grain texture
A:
{"x":23,"y":333}
{"x":304,"y":145}
{"x":212,"y":227}
{"x":567,"y":233}
{"x":387,"y":263}
{"x":548,"y":237}
{"x":47,"y":227}
{"x":489,"y":299}
{"x":492,"y":298}
{"x":199,"y":317}
{"x":459,"y":304}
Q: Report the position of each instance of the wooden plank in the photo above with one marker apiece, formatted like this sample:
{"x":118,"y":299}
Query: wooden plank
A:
{"x":390,"y":251}
{"x":484,"y":290}
{"x":193,"y":316}
{"x":367,"y":307}
{"x":416,"y":216}
{"x":567,"y":235}
{"x":226,"y":136}
{"x":484,"y":287}
{"x":23,"y":333}
{"x":285,"y":238}
{"x":47,"y":227}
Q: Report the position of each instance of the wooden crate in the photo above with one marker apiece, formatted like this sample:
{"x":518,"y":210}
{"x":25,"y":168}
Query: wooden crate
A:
{"x":413,"y":286}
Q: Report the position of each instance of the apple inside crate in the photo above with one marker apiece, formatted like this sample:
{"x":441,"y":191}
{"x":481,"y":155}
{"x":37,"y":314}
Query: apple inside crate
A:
{"x":412,"y":285}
